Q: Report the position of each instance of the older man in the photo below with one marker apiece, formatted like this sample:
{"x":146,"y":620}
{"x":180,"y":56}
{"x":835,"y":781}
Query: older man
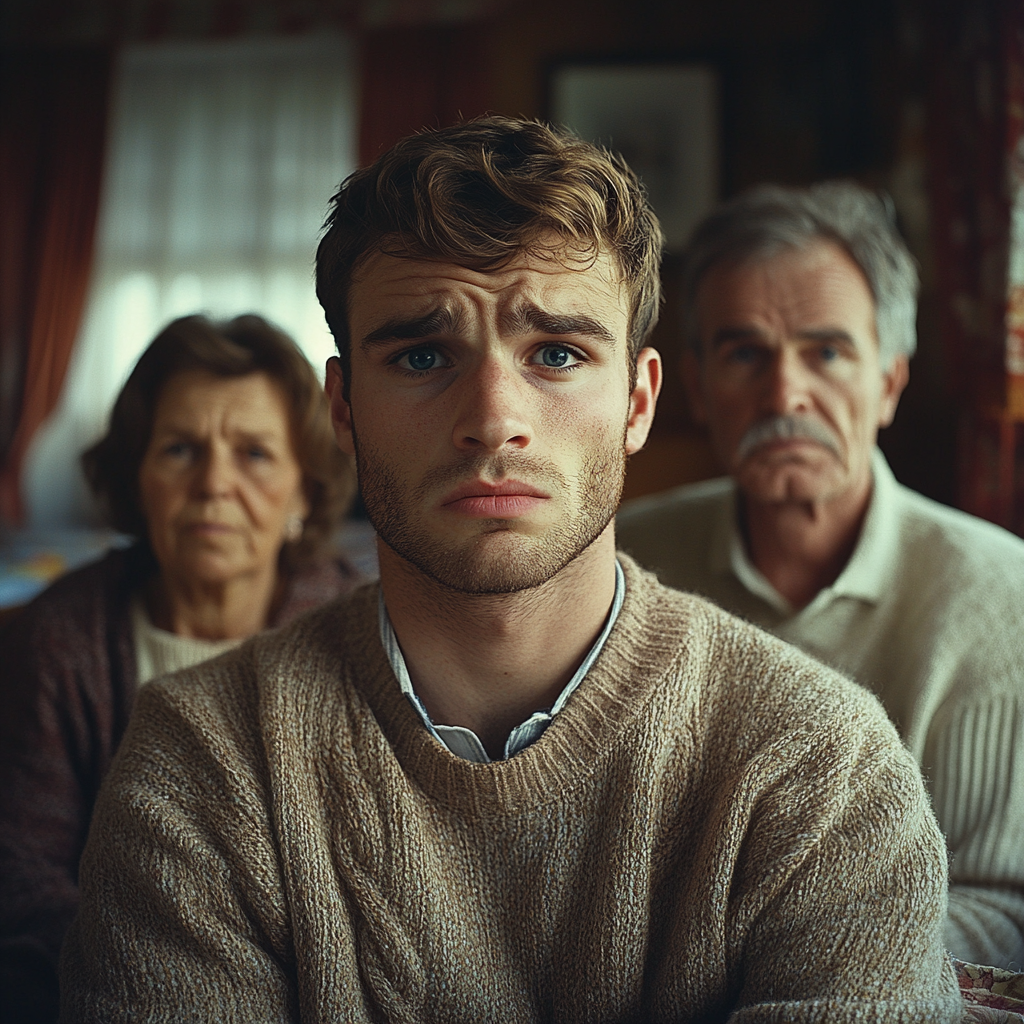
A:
{"x":519,"y":780}
{"x":801,"y":323}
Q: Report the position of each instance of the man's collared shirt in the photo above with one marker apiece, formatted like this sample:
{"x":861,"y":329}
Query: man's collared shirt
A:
{"x":464,"y":742}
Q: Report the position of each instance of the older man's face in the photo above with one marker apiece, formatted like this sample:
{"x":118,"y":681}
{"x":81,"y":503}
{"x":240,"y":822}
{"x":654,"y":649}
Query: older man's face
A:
{"x":491,"y":413}
{"x":790,"y":382}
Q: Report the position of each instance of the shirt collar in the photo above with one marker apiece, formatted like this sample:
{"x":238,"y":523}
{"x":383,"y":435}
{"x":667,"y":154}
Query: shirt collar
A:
{"x":869,"y":573}
{"x":464,"y":742}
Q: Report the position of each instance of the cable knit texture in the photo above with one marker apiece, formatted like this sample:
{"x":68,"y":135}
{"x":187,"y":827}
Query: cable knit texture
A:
{"x":929,"y":615}
{"x":714,"y":828}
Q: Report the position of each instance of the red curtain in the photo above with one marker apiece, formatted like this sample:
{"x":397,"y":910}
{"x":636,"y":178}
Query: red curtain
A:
{"x":976,"y":53}
{"x":53,"y":112}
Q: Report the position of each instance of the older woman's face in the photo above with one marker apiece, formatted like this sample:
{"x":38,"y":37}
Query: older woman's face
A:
{"x":219,"y":480}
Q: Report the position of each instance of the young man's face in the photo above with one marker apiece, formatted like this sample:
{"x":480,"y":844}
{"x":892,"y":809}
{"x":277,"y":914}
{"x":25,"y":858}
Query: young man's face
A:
{"x":790,"y":381}
{"x":490,"y":413}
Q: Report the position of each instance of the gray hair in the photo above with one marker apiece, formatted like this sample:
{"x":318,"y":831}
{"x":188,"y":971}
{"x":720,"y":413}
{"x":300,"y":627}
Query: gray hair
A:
{"x":758,"y":223}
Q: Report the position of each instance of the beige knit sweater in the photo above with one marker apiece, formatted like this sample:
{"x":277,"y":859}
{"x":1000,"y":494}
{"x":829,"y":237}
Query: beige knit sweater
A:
{"x":714,"y":828}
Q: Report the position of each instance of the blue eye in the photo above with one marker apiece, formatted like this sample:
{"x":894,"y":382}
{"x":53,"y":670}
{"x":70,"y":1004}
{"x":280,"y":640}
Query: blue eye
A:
{"x":828,"y":353}
{"x":419,"y":359}
{"x":557,"y":357}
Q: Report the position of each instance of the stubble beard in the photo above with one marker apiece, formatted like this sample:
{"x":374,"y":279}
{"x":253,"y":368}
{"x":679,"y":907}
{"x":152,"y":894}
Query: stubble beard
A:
{"x":498,"y":559}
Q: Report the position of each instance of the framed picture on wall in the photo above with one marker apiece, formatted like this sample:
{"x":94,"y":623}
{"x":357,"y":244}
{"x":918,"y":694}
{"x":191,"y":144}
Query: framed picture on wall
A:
{"x":663,"y":118}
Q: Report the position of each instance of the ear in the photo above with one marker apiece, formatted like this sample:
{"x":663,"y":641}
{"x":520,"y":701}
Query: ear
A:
{"x":643,"y":399}
{"x":894,"y":380}
{"x":299,"y":505}
{"x":693,"y":383}
{"x":341,"y":411}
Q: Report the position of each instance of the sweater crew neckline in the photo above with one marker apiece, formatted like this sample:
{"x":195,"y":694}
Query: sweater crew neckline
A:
{"x":461,"y":740}
{"x":594,"y":721}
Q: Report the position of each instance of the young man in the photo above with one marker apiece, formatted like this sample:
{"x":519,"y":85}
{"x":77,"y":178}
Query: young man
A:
{"x":802,"y":308}
{"x":519,"y":780}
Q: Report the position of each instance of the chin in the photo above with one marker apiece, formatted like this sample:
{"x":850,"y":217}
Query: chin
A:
{"x":771,"y":485}
{"x":501,"y":561}
{"x":214,"y":569}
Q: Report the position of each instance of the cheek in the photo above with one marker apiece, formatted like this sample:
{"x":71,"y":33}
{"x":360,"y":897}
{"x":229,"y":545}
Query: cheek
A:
{"x":273,"y":497}
{"x":160,"y":500}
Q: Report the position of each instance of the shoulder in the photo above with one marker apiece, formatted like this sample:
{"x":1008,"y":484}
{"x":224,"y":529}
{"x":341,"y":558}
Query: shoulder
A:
{"x":740,"y":667}
{"x":675,"y":533}
{"x":753,"y":706}
{"x":310,"y":586}
{"x":924,"y":521}
{"x":303,"y":661}
{"x":691,"y":501}
{"x":83,"y":607}
{"x":108,"y":578}
{"x":959,"y":558}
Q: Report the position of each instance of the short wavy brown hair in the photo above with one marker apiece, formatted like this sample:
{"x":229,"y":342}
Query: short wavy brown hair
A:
{"x":481,"y":193}
{"x":232,"y":348}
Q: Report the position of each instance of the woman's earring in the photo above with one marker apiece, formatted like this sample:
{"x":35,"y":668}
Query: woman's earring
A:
{"x":293,"y":529}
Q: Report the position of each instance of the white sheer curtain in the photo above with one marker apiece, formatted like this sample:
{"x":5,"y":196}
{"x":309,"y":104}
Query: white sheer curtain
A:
{"x":221,"y":162}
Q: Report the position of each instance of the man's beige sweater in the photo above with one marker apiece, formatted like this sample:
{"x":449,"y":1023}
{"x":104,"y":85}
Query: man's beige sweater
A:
{"x":714,"y":828}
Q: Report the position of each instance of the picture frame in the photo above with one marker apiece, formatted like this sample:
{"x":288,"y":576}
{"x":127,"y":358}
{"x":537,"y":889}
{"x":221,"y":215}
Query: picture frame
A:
{"x":663,"y":118}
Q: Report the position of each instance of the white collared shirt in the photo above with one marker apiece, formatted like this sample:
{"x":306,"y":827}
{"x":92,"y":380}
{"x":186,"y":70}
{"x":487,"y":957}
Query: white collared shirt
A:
{"x":464,"y":742}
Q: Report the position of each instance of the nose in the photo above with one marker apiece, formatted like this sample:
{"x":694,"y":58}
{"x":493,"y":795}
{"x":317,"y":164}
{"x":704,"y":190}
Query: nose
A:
{"x":492,"y":409}
{"x":788,"y":384}
{"x":216,"y":475}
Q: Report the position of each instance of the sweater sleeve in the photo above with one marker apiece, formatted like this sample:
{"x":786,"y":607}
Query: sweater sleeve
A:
{"x":977,"y":781}
{"x":182,"y":911}
{"x":854,"y":932}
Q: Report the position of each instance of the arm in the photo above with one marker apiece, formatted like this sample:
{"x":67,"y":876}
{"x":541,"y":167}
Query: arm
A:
{"x":183,"y":912}
{"x":976,"y":767}
{"x":854,"y":931}
{"x":54,"y":742}
{"x":978,"y":789}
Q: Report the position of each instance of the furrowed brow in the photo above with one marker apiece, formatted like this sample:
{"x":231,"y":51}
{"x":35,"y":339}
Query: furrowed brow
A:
{"x":827,"y":334}
{"x":528,"y":318}
{"x":436,"y":322}
{"x":725,"y":335}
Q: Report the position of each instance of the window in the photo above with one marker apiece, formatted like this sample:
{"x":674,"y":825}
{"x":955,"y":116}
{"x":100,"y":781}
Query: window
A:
{"x":221,"y":160}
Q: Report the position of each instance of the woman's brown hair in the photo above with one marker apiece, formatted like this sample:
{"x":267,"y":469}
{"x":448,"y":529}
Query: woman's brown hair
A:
{"x":232,"y":348}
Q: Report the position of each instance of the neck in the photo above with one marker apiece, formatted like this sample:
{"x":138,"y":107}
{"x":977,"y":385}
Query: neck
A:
{"x":488,"y":661}
{"x":802,"y":546}
{"x":212,"y":610}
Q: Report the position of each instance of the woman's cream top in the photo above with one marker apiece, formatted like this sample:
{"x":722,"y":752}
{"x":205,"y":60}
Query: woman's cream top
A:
{"x":158,"y":652}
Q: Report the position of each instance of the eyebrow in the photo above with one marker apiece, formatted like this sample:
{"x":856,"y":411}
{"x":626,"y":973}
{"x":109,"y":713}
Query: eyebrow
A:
{"x":527,"y":318}
{"x":438,"y":321}
{"x":523,"y":319}
{"x":724,"y":335}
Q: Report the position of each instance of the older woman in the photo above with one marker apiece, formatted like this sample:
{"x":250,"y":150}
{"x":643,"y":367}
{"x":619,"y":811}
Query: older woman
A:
{"x":220,"y":461}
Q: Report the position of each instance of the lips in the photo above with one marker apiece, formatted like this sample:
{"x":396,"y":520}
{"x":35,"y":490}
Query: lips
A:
{"x":506,"y":500}
{"x":209,"y":527}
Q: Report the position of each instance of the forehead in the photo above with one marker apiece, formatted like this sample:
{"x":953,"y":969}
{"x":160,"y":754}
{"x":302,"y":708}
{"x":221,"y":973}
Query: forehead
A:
{"x":386,"y":285}
{"x":192,"y":398}
{"x":817,"y":285}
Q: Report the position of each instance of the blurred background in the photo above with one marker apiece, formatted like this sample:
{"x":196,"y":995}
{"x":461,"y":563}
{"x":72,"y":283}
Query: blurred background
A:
{"x":162,"y":157}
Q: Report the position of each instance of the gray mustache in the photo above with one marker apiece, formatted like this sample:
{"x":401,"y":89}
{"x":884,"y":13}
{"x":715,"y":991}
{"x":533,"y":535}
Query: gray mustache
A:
{"x":783,"y":428}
